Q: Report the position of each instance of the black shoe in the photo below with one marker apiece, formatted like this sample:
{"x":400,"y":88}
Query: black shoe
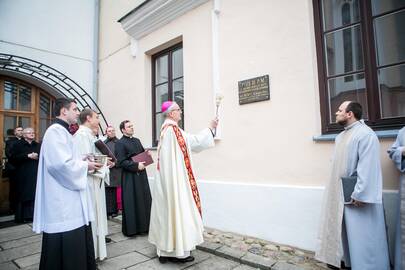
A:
{"x":108,"y":240}
{"x":163,"y":260}
{"x":181,"y":260}
{"x":342,"y":266}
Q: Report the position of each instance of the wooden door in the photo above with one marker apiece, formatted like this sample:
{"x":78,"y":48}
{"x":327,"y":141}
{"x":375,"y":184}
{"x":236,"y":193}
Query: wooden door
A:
{"x":21,"y":104}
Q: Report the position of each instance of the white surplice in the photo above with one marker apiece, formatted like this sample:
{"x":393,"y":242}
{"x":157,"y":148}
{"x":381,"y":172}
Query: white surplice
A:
{"x":62,"y":198}
{"x":84,"y":143}
{"x":176,"y":226}
{"x":354,"y":234}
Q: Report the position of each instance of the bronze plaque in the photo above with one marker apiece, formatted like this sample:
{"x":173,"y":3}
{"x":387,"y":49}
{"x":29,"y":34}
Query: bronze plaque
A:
{"x":254,"y":90}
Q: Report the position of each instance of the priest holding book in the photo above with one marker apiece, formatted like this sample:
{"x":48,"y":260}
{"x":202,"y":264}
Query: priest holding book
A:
{"x":136,"y":197}
{"x":176,"y":219}
{"x":355,"y":232}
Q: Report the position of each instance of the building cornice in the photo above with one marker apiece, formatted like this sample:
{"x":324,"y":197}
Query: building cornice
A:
{"x":153,"y":14}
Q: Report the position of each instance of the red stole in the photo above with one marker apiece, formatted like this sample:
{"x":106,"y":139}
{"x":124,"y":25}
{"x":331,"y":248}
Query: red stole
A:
{"x":187,"y":162}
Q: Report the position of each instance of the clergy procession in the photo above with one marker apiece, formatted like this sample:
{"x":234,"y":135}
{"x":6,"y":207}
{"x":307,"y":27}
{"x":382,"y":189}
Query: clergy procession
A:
{"x":69,"y":186}
{"x":70,"y":199}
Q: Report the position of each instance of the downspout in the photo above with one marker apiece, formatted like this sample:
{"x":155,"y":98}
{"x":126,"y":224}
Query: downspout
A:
{"x":215,"y":61}
{"x":96,"y":48}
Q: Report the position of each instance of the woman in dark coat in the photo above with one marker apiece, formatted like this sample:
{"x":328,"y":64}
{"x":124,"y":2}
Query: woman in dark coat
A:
{"x":25,"y":157}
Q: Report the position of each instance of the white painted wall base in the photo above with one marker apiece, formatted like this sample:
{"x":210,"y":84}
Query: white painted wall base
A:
{"x":287,"y":215}
{"x":281,"y":214}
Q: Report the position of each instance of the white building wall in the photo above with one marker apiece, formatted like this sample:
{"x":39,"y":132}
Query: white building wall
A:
{"x":57,"y":33}
{"x":266,"y":175}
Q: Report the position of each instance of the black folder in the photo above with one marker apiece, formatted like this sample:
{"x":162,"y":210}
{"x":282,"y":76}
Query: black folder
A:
{"x":348,"y":184}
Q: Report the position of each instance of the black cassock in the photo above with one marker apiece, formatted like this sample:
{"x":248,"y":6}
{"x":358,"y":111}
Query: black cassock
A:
{"x":115,"y":181}
{"x":71,"y":250}
{"x":25,"y":177}
{"x":136,"y":197}
{"x":10,"y":170}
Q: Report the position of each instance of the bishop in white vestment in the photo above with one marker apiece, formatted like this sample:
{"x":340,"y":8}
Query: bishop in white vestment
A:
{"x":176,"y":224}
{"x":397,"y":154}
{"x":354,"y":233}
{"x":84,"y":140}
{"x":63,"y":207}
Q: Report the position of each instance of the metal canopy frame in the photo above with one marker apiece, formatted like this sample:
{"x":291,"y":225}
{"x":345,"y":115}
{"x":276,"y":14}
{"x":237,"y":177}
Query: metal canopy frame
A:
{"x":53,"y":78}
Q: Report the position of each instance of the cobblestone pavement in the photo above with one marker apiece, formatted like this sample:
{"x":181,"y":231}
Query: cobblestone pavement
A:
{"x":260,"y":253}
{"x":20,"y":249}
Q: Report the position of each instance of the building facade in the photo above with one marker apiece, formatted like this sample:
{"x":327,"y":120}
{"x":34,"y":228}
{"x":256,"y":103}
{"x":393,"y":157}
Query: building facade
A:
{"x":266,"y":176}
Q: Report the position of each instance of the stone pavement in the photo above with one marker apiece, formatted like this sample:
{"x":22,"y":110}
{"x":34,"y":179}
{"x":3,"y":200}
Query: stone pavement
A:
{"x":20,"y":249}
{"x":257,"y":253}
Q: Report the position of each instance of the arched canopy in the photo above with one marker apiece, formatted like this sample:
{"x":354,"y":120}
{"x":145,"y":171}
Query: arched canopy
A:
{"x":49,"y":79}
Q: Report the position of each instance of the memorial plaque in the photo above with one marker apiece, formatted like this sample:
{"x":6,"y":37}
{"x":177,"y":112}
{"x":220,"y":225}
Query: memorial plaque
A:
{"x":254,"y":90}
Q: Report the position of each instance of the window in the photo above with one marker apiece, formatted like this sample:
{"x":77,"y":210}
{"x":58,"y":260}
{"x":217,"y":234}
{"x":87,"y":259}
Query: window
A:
{"x":45,"y":113}
{"x":361,"y":57}
{"x":24,"y":105}
{"x":17,"y":97}
{"x":167,"y":84}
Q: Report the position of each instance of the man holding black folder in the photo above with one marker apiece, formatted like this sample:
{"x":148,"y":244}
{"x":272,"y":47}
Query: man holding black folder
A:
{"x":354,"y":232}
{"x":136,"y":198}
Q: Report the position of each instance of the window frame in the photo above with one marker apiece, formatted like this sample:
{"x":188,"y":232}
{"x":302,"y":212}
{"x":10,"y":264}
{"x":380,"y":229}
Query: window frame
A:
{"x":169,"y":52}
{"x":370,"y":69}
{"x":34,"y":113}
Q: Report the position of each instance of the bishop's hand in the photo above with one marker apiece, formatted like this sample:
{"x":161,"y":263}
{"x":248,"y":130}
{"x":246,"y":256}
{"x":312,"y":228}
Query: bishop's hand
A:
{"x":214,"y":123}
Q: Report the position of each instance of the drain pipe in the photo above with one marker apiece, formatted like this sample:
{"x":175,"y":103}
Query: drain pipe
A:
{"x":216,"y":10}
{"x":95,"y":49}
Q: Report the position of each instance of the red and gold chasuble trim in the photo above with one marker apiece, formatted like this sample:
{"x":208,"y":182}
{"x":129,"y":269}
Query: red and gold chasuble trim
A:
{"x":187,"y":162}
